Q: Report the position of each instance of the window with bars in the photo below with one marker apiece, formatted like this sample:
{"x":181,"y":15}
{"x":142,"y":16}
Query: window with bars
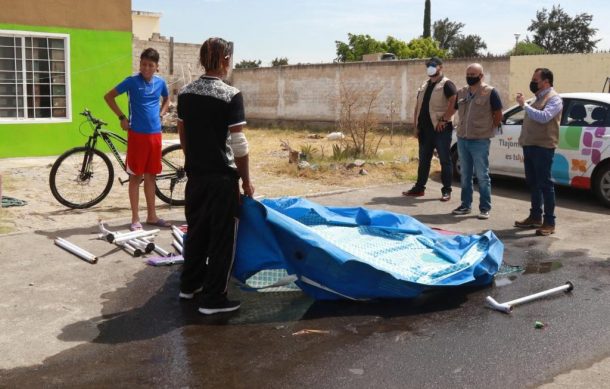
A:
{"x":34,"y":77}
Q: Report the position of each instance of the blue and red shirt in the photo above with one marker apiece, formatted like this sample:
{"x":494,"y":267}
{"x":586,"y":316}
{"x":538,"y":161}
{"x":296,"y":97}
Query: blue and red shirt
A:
{"x":144,"y":108}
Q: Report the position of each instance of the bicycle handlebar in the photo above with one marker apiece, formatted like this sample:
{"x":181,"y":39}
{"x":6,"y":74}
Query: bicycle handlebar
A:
{"x":86,"y":113}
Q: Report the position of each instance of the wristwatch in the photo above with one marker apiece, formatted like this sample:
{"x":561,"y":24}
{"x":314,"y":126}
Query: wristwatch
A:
{"x":122,"y":117}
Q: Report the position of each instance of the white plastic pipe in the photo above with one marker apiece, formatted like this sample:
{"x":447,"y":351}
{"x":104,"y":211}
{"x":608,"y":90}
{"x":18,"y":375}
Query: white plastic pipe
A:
{"x":74,"y":249}
{"x":135,"y":252}
{"x":112,"y":236}
{"x":132,"y":235}
{"x":507,"y":307}
{"x":177,"y":246}
{"x":157,"y":248}
{"x":147,"y":247}
{"x":178,"y":235}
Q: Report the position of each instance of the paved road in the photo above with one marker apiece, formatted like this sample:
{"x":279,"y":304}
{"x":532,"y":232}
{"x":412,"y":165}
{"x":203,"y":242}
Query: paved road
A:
{"x":118,"y":323}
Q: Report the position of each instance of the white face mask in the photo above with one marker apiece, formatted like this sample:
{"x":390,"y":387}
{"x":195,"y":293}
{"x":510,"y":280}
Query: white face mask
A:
{"x":431,"y":71}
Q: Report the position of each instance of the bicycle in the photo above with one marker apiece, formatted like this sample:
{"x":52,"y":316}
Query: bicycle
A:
{"x":83,"y":176}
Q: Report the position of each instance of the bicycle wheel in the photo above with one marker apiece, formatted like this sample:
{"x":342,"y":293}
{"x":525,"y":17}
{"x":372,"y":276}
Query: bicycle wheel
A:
{"x":81,"y":177}
{"x":171,"y":183}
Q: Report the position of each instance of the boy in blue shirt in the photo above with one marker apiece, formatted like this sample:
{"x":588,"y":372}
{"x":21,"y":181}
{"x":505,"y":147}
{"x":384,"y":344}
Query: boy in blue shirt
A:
{"x":143,"y":127}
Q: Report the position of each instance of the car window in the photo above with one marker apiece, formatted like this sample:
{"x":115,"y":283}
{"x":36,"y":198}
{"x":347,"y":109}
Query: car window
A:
{"x":585,"y":113}
{"x":514,"y":117}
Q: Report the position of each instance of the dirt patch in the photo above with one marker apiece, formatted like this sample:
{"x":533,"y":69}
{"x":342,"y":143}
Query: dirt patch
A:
{"x":28,"y":179}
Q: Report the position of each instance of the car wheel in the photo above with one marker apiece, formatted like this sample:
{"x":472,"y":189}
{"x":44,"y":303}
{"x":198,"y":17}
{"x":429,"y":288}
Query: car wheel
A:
{"x":601,"y":183}
{"x":455,"y":161}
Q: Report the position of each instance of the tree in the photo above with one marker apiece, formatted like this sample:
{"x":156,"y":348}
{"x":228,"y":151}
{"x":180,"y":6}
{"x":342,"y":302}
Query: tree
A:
{"x":247,"y":64}
{"x":423,"y":48}
{"x":468,"y":46}
{"x":558,"y":33}
{"x":446,"y":32}
{"x":279,"y":61}
{"x":364,"y":44}
{"x":357,"y":46}
{"x":526,"y":47}
{"x":427,"y":20}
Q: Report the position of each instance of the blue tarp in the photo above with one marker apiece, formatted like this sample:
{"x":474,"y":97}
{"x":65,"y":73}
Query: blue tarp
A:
{"x":358,"y":253}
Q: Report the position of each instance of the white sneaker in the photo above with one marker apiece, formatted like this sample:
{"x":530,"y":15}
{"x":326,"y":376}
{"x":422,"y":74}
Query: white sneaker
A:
{"x":483,"y":215}
{"x":189,"y":296}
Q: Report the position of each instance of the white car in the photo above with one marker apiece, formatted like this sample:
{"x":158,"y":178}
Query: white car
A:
{"x":582,"y":158}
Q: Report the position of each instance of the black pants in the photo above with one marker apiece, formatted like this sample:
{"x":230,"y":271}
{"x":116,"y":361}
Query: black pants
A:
{"x":428,"y":140}
{"x":212,"y":210}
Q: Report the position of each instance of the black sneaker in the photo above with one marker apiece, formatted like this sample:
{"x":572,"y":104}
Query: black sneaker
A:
{"x":461,"y":210}
{"x":225,"y":305}
{"x":446,"y":196}
{"x":189,"y":295}
{"x":414,"y":192}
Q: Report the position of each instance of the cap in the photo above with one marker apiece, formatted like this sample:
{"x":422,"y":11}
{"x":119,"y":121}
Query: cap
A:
{"x":435,"y":61}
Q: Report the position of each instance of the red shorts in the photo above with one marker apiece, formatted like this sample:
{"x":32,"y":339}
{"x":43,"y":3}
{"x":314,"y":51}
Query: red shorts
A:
{"x":143,"y":153}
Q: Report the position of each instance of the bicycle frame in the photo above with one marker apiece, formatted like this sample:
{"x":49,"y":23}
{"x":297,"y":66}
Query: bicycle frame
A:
{"x":176,"y":174}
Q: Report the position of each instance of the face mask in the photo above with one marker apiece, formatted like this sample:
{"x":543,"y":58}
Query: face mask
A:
{"x":431,"y":71}
{"x":534,"y":86}
{"x":472,"y":80}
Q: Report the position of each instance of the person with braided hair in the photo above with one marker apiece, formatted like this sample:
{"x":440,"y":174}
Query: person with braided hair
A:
{"x":210,"y":124}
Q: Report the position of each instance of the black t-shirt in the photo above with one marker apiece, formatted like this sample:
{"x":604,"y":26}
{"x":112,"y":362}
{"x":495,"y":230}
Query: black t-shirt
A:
{"x":423,"y":120}
{"x":207,"y":108}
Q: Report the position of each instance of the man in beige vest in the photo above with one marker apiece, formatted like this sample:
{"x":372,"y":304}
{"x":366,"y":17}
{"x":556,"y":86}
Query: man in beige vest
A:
{"x":539,"y":137}
{"x":433,"y":116}
{"x":480,"y":113}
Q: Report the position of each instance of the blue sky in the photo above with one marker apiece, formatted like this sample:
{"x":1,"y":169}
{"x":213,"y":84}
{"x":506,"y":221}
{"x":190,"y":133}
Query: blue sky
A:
{"x":305,"y":31}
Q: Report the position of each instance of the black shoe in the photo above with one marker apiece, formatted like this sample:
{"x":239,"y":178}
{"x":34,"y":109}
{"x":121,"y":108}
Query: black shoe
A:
{"x":219,"y":307}
{"x":414,"y":192}
{"x":446,"y":196}
{"x":461,"y":210}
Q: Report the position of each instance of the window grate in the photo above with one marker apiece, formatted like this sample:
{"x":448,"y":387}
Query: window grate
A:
{"x":34,"y":76}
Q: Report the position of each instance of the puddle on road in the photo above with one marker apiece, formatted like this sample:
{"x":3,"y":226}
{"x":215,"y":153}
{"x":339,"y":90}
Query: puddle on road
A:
{"x":542,"y":267}
{"x":499,"y":282}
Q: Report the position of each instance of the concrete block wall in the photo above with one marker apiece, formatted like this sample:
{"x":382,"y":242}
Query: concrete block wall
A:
{"x":304,"y":94}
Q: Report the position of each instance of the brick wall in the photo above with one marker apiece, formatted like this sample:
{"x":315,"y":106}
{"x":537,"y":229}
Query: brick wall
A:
{"x":310,"y":94}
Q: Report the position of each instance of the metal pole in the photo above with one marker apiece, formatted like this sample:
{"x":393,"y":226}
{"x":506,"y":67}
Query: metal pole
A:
{"x":74,"y":249}
{"x":177,"y":246}
{"x":507,"y":307}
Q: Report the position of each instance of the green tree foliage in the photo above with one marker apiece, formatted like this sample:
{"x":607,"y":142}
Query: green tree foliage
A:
{"x":247,"y":64}
{"x":446,"y":32}
{"x":357,"y":46}
{"x":427,"y":18}
{"x":526,"y":47}
{"x":363,"y":44}
{"x":558,"y":33}
{"x":468,"y":46}
{"x":424,"y":48}
{"x":279,"y":61}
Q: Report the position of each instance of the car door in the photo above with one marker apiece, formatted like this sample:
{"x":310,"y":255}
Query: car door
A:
{"x":583,"y":142}
{"x":506,"y":156}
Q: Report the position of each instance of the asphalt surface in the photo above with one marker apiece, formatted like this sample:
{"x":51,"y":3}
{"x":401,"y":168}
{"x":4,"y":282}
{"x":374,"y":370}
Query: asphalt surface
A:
{"x":119,"y":323}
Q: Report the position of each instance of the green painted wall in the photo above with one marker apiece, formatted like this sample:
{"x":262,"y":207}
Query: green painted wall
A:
{"x":99,"y":60}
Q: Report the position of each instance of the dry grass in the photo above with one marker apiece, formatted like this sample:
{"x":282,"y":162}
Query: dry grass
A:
{"x":394,"y":163}
{"x":273,"y":176}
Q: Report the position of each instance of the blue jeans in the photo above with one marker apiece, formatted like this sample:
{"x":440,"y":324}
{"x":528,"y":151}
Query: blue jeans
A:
{"x":429,"y":140}
{"x":538,"y":162}
{"x":474,"y":155}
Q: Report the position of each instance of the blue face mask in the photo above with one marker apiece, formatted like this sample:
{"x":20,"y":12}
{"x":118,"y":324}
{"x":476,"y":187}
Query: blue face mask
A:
{"x":431,"y":70}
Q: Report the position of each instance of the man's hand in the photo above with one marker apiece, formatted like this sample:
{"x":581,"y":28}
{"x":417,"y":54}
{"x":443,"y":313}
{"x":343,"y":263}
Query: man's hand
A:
{"x":125,"y":124}
{"x":520,"y":99}
{"x":440,"y":126}
{"x":248,"y":188}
